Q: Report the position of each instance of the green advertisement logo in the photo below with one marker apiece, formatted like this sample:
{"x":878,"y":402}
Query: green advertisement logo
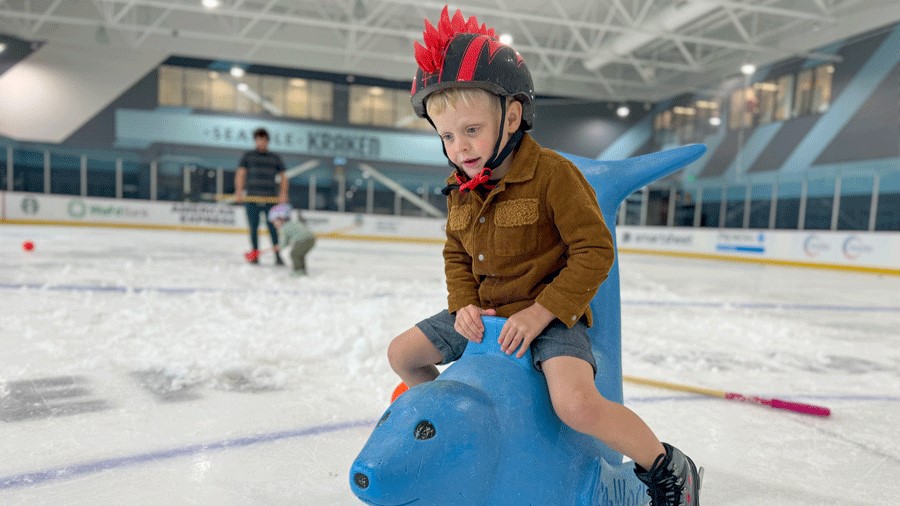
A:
{"x":77,"y":209}
{"x":30,"y":205}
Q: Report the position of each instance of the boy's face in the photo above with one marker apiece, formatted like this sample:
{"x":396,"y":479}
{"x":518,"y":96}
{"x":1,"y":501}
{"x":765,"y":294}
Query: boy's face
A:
{"x":469,"y":133}
{"x":262,"y":142}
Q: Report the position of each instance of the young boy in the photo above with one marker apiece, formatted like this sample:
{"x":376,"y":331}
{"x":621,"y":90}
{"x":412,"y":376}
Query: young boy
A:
{"x":294,"y":235}
{"x":525,"y":240}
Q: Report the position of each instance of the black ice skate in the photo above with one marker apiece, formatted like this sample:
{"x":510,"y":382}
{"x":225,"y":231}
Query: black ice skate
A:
{"x":673,"y":480}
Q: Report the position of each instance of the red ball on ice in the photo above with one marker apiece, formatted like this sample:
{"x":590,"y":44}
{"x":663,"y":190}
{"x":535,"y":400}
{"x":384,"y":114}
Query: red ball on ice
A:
{"x":27,"y":245}
{"x":251,"y":255}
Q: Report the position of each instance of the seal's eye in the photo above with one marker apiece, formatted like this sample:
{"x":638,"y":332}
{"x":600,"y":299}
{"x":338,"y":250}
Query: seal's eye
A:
{"x":424,"y":430}
{"x":384,"y":417}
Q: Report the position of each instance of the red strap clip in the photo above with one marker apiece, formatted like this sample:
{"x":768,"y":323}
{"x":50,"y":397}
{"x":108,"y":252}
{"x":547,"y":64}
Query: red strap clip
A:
{"x":480,"y":180}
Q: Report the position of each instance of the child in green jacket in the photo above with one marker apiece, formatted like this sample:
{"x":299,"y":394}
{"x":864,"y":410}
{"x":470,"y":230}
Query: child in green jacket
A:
{"x":294,"y":236}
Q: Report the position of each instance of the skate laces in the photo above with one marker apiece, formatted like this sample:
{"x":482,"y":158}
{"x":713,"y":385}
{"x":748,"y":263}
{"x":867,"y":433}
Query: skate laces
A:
{"x":665,"y":491}
{"x":663,"y":486}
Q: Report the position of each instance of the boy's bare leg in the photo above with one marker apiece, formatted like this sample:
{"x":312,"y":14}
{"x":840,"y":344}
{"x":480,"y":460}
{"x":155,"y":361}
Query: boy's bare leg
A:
{"x":412,"y":357}
{"x":580,"y":406}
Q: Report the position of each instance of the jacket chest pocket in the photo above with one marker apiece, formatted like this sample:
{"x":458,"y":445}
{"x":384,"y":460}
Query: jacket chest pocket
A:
{"x":459,"y":221}
{"x":516,"y":227}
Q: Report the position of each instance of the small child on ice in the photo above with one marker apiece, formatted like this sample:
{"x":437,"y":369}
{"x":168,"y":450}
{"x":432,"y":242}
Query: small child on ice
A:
{"x":526,"y":241}
{"x":294,"y":236}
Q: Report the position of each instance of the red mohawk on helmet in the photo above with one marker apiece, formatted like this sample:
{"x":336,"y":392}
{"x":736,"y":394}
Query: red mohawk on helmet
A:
{"x":430,"y":57}
{"x":460,"y":53}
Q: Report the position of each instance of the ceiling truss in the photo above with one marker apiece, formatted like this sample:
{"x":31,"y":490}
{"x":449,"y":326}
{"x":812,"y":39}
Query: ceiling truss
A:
{"x":616,"y":50}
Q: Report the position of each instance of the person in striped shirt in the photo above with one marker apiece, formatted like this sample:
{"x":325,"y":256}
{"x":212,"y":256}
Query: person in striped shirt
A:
{"x":257,"y":175}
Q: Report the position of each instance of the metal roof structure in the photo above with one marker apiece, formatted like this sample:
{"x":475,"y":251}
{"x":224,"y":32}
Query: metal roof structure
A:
{"x":615,"y":50}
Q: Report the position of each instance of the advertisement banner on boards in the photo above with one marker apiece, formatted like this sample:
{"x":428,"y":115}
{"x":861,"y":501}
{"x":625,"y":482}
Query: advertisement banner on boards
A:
{"x":38,"y":207}
{"x":803,"y":247}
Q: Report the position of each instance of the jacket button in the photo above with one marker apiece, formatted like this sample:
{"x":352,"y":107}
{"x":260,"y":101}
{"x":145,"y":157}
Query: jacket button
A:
{"x":480,"y":257}
{"x":481,"y":220}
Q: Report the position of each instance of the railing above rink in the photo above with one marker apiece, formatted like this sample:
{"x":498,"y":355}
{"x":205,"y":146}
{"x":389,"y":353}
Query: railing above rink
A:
{"x":863,"y":197}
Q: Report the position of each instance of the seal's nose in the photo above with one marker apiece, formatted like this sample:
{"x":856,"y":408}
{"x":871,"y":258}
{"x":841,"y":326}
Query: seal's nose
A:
{"x":366,"y":481}
{"x":361,"y":480}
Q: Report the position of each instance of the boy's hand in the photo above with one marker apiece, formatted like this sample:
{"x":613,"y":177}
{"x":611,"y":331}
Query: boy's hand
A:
{"x":468,"y":322}
{"x":521,"y":329}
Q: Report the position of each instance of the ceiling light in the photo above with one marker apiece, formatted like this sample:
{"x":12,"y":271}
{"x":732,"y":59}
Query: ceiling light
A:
{"x":506,"y":38}
{"x":297,"y":82}
{"x":623,"y":111}
{"x":748,"y":69}
{"x":376,"y":91}
{"x":715,"y":121}
{"x":211,"y":4}
{"x":237,"y":71}
{"x":2,"y":47}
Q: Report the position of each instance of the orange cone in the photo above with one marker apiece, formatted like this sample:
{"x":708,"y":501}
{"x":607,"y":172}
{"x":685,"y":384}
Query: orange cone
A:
{"x":401,"y":388}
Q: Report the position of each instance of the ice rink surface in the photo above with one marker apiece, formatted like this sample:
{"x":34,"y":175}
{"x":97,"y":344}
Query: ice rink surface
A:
{"x":150,"y":367}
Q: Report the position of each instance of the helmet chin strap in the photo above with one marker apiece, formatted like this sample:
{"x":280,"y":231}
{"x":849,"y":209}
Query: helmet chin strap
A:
{"x":482,"y":180}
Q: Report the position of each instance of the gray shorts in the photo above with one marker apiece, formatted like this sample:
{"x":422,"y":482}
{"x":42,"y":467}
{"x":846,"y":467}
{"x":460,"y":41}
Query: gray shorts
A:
{"x":556,"y":340}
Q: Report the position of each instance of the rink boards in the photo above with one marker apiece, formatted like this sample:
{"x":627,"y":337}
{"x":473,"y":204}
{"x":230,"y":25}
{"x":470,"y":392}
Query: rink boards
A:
{"x":849,"y":250}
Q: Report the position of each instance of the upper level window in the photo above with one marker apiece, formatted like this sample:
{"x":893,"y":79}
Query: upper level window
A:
{"x":766,"y":94}
{"x":686,"y":123}
{"x":247,"y":94}
{"x":821,"y":98}
{"x":804,"y":92}
{"x":788,"y":96}
{"x":744,"y":107}
{"x":378,"y":106}
{"x":784,"y":95}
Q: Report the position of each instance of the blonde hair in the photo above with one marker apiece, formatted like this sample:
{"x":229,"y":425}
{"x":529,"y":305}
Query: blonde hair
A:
{"x":444,"y":100}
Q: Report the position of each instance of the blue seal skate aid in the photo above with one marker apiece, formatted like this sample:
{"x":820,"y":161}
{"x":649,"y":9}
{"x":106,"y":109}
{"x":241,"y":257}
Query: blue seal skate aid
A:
{"x":484,"y":432}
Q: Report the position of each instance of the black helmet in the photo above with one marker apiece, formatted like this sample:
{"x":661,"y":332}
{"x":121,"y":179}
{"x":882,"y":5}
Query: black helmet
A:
{"x":462,"y":54}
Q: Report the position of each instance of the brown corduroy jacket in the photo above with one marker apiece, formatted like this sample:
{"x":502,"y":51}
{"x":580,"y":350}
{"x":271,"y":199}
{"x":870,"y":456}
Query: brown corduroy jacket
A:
{"x":537,"y":236}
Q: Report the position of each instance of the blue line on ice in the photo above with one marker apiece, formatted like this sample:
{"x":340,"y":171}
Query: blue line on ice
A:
{"x":93,"y":467}
{"x":188,"y":290}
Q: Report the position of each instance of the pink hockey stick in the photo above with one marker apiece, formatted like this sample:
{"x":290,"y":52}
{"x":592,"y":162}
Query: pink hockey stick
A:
{"x":796,"y":407}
